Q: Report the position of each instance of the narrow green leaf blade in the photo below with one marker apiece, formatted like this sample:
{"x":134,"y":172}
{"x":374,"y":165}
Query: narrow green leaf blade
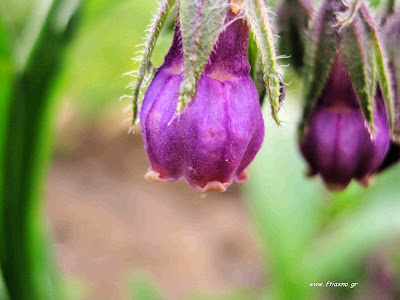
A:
{"x":27,"y":263}
{"x":322,"y":47}
{"x":253,"y":56}
{"x":256,"y":14}
{"x":396,"y":104}
{"x":6,"y":72}
{"x":256,"y":72}
{"x":358,"y":54}
{"x":6,"y":80}
{"x":201,"y":23}
{"x":382,"y":67}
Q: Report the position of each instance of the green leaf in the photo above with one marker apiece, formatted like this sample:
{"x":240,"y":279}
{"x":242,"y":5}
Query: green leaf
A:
{"x":345,"y":18}
{"x":381,"y":63}
{"x":201,"y":24}
{"x":322,"y":47}
{"x":256,"y":72}
{"x":396,"y":105}
{"x":358,"y":54}
{"x":6,"y":77}
{"x":256,"y":14}
{"x":26,"y":261}
{"x":6,"y":80}
{"x":145,"y":67}
{"x":253,"y":56}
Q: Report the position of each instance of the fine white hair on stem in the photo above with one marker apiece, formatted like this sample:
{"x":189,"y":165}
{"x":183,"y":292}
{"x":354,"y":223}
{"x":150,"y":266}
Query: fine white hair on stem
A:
{"x":134,"y":128}
{"x":129,"y":119}
{"x":125,"y":97}
{"x":143,"y":74}
{"x":128,"y":108}
{"x":283,"y":56}
{"x":133,"y":73}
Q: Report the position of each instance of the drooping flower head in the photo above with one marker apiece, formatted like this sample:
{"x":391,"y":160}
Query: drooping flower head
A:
{"x":337,"y":143}
{"x":200,"y":118}
{"x":214,"y":139}
{"x":345,"y":131}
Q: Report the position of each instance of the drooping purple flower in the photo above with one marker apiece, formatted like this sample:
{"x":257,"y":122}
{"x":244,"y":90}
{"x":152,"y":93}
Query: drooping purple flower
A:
{"x":337,"y":143}
{"x":219,"y":133}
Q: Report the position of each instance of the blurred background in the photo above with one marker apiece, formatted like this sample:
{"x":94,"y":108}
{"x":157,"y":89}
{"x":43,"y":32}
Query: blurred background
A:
{"x":117,"y":236}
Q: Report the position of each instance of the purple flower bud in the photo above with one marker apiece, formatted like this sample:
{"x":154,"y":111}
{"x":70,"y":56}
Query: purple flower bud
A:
{"x":219,"y":133}
{"x":337,"y":143}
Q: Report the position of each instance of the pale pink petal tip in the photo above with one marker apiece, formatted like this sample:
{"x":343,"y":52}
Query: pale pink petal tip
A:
{"x":242,"y":177}
{"x":367,"y":180}
{"x":155,"y":176}
{"x":215,"y":186}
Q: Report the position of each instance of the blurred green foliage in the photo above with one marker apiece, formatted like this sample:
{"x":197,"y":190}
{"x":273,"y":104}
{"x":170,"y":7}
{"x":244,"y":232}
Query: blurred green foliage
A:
{"x":34,"y":56}
{"x":309,"y":235}
{"x":141,"y":287}
{"x":106,"y":41}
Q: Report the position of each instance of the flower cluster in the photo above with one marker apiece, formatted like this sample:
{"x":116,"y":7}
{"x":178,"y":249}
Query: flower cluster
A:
{"x":200,"y":113}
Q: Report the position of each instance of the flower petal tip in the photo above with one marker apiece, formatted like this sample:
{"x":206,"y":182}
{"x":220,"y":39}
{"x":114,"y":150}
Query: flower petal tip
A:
{"x":366,"y":181}
{"x":154,"y":176}
{"x":242,"y":177}
{"x":215,"y":186}
{"x":335,"y":187}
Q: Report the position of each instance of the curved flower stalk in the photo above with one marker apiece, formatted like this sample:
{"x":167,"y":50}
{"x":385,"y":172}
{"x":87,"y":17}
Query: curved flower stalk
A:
{"x":347,"y":120}
{"x":201,"y":119}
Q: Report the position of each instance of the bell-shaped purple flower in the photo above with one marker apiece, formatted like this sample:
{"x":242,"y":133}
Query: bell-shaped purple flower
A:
{"x":337,"y":143}
{"x":213,"y":140}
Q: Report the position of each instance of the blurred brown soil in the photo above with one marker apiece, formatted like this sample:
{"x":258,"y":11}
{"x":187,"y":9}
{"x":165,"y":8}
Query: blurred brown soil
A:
{"x":108,"y":221}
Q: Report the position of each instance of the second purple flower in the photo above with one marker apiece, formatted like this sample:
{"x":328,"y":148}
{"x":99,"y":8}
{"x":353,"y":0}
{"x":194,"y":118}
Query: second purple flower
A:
{"x":346,"y":127}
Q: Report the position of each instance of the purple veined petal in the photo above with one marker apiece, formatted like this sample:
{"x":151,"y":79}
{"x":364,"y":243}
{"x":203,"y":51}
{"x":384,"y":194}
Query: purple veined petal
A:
{"x":219,"y":133}
{"x":162,"y":142}
{"x":225,"y":140}
{"x":337,"y":144}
